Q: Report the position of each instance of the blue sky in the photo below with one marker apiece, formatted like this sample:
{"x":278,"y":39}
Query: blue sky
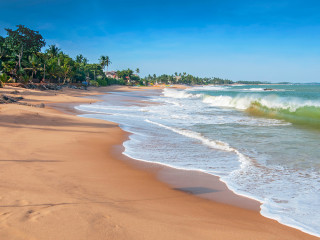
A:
{"x":239,"y":40}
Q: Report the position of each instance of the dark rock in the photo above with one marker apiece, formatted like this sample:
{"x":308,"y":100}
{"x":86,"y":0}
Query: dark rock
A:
{"x":8,"y":99}
{"x":43,"y":87}
{"x":15,"y":92}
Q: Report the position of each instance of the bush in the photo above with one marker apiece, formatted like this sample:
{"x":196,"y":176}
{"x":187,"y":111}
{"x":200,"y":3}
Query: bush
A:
{"x":25,"y":78}
{"x":1,"y":84}
{"x":3,"y":77}
{"x":121,"y":82}
{"x":102,"y":82}
{"x":135,"y":78}
{"x":94,"y":83}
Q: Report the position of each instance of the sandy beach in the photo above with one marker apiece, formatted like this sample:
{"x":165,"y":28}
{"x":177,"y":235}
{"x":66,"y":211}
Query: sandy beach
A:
{"x":64,"y":177}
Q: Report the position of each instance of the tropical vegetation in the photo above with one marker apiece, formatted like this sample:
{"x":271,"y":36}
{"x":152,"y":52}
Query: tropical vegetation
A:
{"x":22,"y":59}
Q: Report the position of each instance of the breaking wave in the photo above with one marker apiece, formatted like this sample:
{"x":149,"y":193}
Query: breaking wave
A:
{"x":293,"y":110}
{"x":179,"y":94}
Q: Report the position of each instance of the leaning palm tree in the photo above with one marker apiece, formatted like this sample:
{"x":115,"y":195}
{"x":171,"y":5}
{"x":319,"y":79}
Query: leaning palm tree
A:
{"x":105,"y":61}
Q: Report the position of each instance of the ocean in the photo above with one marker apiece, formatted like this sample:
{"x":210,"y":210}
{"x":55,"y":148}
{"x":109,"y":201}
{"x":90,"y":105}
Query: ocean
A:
{"x":262,"y":141}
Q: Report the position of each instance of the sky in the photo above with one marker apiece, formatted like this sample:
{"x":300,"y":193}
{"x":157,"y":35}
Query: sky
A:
{"x":249,"y":40}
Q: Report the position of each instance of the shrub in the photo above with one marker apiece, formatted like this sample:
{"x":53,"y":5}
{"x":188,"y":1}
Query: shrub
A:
{"x":3,"y":77}
{"x":121,"y":82}
{"x":102,"y":82}
{"x":94,"y":83}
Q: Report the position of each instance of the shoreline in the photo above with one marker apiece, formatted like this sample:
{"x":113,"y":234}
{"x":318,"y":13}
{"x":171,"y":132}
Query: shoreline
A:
{"x":126,"y":202}
{"x":163,"y":171}
{"x":232,"y":197}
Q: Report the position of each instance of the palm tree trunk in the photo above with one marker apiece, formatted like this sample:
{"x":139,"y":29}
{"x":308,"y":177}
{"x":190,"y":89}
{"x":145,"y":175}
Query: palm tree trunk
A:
{"x":44,"y":74}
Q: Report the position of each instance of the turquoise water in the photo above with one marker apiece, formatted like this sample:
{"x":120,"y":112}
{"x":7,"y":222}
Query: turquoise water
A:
{"x":263,"y":144}
{"x":298,"y":104}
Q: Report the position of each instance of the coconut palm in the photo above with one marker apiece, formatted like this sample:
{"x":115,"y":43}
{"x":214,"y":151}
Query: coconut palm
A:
{"x":53,"y":51}
{"x":34,"y":63}
{"x":105,"y":61}
{"x":79,"y":58}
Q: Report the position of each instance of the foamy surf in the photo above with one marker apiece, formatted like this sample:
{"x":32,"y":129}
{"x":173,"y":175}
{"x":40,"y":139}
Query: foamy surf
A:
{"x":290,"y":109}
{"x":215,"y":144}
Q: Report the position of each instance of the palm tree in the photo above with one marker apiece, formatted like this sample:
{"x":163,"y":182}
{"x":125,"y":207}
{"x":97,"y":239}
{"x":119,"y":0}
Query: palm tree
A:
{"x":66,"y":68}
{"x":105,"y":61}
{"x":137,"y":70}
{"x":35,"y":64}
{"x":79,"y":58}
{"x":53,"y":51}
{"x":85,"y":61}
{"x":43,"y":59}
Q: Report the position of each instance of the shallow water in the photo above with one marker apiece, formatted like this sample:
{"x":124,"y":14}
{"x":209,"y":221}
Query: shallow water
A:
{"x":263,"y":144}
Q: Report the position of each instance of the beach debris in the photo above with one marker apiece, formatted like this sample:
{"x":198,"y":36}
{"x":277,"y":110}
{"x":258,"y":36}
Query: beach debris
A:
{"x":268,"y":89}
{"x":15,"y":92}
{"x":76,"y":87}
{"x":48,"y":86}
{"x":7,"y":99}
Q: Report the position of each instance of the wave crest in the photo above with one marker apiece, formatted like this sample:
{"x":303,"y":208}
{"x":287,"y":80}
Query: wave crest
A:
{"x":290,"y":109}
{"x":172,"y":93}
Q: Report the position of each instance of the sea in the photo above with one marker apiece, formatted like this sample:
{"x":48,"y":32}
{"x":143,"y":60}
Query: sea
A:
{"x":263,"y":141}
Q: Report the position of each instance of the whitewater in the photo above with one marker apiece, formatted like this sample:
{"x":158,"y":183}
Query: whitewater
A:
{"x":262,"y":141}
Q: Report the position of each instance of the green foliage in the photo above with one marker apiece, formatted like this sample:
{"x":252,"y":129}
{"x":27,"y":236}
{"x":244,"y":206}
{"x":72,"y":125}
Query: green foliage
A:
{"x":125,"y":74}
{"x":184,"y":78}
{"x":21,"y":59}
{"x":24,"y":39}
{"x":135,"y":78}
{"x":53,"y":51}
{"x":3,"y":77}
{"x":121,"y":82}
{"x":94,"y":83}
{"x":21,"y":43}
{"x":25,"y":78}
{"x":102,"y":82}
{"x":104,"y":61}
